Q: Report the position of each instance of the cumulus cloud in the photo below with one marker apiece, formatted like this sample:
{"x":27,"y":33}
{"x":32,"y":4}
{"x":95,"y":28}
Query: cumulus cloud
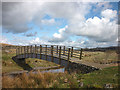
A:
{"x":61,"y":36}
{"x":99,"y":29}
{"x":109,"y":13}
{"x":17,"y":15}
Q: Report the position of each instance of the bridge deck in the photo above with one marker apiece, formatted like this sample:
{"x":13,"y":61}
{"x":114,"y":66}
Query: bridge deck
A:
{"x":64,"y":61}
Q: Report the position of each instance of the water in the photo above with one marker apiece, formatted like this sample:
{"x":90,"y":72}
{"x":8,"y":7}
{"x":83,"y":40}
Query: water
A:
{"x":55,"y":70}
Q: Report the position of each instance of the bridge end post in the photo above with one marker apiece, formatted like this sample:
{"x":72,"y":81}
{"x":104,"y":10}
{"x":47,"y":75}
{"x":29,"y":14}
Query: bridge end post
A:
{"x":68,"y":57}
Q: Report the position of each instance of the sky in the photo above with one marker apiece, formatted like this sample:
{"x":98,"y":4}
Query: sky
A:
{"x":78,"y":24}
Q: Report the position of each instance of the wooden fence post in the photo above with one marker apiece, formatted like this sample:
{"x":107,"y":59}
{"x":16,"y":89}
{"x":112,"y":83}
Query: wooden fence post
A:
{"x":68,"y":56}
{"x":64,"y":50}
{"x":46,"y":52}
{"x":81,"y":53}
{"x":57,"y":49}
{"x":52,"y":53}
{"x":40,"y":51}
{"x":72,"y":52}
{"x":60,"y":55}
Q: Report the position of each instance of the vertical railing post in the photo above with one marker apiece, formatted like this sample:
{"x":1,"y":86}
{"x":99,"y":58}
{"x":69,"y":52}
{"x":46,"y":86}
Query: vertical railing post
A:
{"x":64,"y":50}
{"x":27,"y":51}
{"x":81,"y":53}
{"x":46,"y":52}
{"x":16,"y":52}
{"x":68,"y":56}
{"x":31,"y":51}
{"x":40,"y":51}
{"x":57,"y":49}
{"x":35,"y":51}
{"x":72,"y":52}
{"x":52,"y":53}
{"x":24,"y":52}
{"x":60,"y":55}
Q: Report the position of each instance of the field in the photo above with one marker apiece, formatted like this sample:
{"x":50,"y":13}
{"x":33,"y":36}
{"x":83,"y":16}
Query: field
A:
{"x":105,"y":78}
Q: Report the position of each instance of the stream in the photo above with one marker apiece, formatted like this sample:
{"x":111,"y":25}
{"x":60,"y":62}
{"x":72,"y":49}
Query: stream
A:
{"x":52,"y":70}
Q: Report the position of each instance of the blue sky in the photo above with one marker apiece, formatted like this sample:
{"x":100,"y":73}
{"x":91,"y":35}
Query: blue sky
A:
{"x":76,"y":24}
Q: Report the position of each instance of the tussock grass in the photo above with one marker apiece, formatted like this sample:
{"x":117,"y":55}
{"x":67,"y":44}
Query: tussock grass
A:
{"x":41,"y":80}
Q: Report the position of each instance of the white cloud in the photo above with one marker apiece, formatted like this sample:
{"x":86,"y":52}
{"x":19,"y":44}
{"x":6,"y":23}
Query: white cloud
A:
{"x":48,"y":21}
{"x":109,"y":13}
{"x":99,"y":29}
{"x":61,"y":36}
{"x":3,"y":39}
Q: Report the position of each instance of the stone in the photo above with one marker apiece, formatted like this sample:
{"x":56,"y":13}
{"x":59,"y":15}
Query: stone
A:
{"x":81,"y":84}
{"x":66,"y":80}
{"x":108,"y":85}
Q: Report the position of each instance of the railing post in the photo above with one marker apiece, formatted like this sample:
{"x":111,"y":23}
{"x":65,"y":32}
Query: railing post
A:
{"x":31,"y":51}
{"x":27,"y":51}
{"x":57,"y":49}
{"x":72,"y":52}
{"x":35,"y":51}
{"x":68,"y":56}
{"x":64,"y":50}
{"x":21,"y":49}
{"x":16,"y":52}
{"x":40,"y":51}
{"x":81,"y":53}
{"x":24,"y":52}
{"x":52,"y":53}
{"x":60,"y":55}
{"x":46,"y":52}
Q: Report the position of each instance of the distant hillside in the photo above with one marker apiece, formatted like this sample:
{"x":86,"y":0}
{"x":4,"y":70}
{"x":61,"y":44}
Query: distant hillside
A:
{"x":4,"y":44}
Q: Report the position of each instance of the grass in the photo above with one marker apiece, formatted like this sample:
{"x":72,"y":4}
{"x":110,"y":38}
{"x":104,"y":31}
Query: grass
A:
{"x":100,"y":57}
{"x":41,"y":80}
{"x":96,"y":79}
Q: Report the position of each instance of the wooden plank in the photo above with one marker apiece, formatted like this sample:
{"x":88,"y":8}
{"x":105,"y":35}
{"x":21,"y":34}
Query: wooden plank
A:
{"x":81,"y":53}
{"x":60,"y":55}
{"x":52,"y":53}
{"x":40,"y":51}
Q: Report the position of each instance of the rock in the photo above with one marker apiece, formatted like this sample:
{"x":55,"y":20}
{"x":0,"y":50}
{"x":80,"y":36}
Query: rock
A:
{"x":35,"y":60}
{"x":108,"y":86}
{"x":81,"y":84}
{"x":66,"y":80}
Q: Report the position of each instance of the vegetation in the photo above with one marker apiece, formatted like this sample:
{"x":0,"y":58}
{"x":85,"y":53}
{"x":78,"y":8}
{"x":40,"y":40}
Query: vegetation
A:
{"x":96,"y":79}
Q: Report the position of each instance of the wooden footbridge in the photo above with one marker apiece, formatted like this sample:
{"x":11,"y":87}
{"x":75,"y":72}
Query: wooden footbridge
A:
{"x":57,"y":54}
{"x":69,"y":57}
